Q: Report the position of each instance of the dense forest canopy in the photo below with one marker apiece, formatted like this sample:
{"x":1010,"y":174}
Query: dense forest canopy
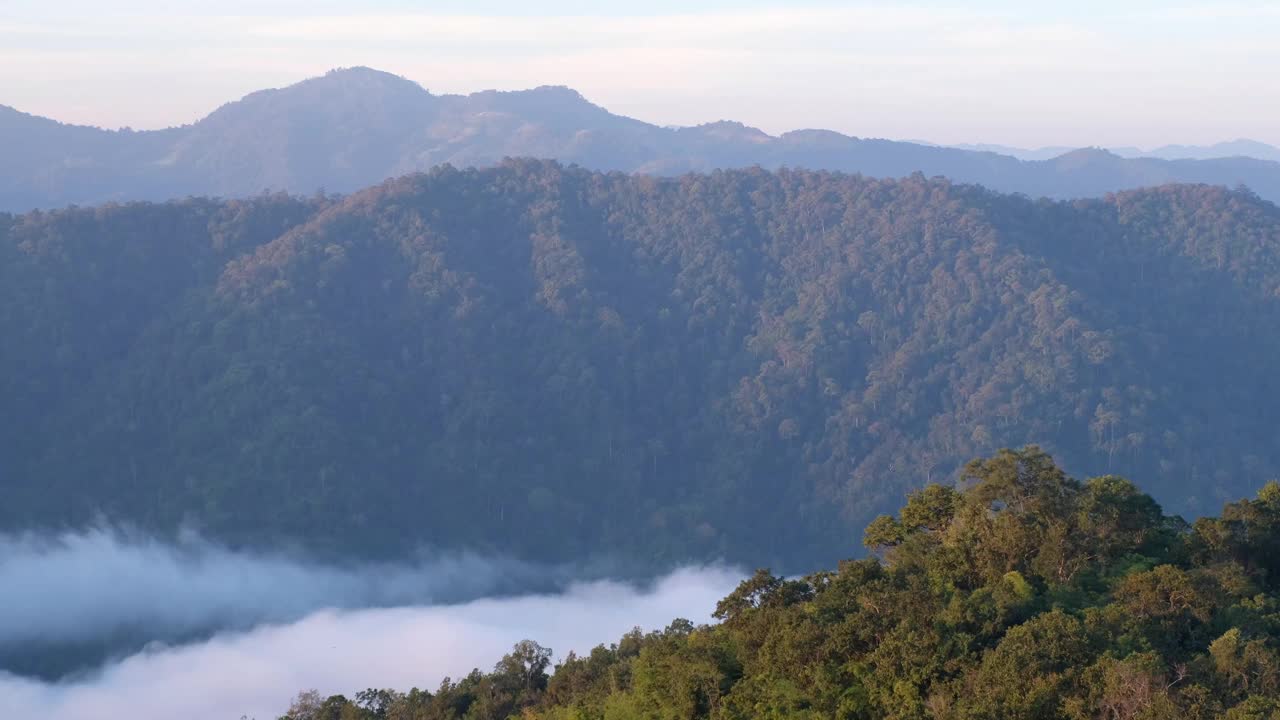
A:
{"x":355,"y":127}
{"x":1021,"y":595}
{"x":557,"y":363}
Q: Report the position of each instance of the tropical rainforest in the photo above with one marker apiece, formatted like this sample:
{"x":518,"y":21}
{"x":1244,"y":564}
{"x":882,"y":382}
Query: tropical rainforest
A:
{"x":554,"y":363}
{"x":1019,"y":593}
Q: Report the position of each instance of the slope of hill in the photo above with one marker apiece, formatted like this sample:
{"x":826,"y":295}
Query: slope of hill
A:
{"x":1025,"y":595}
{"x":557,"y":363}
{"x":356,"y":127}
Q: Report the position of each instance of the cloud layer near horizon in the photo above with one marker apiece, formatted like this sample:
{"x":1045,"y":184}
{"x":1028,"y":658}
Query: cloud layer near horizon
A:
{"x":82,"y":586}
{"x":255,"y":673}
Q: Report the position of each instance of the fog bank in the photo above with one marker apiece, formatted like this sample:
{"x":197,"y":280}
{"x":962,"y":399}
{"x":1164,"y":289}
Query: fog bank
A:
{"x":256,"y":673}
{"x":78,"y":587}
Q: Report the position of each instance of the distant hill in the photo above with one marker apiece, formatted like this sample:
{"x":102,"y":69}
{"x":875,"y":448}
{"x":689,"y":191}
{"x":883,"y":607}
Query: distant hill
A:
{"x":356,"y":127}
{"x":1031,"y":154}
{"x":557,"y":364}
{"x":1233,"y":149}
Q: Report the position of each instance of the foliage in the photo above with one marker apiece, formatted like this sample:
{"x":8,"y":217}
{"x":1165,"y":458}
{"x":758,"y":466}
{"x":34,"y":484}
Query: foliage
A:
{"x":1026,"y":594}
{"x":554,"y":363}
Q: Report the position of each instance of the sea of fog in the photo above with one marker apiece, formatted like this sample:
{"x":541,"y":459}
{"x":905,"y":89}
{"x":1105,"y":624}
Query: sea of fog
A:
{"x":273,"y":625}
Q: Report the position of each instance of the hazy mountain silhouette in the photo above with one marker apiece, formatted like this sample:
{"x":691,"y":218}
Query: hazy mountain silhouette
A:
{"x":356,"y":127}
{"x":1234,"y":149}
{"x":1042,"y":153}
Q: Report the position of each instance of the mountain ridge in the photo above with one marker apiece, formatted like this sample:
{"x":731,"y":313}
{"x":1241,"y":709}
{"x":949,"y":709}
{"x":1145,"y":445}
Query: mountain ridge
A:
{"x":544,"y":361}
{"x":355,"y":127}
{"x":1238,"y":148}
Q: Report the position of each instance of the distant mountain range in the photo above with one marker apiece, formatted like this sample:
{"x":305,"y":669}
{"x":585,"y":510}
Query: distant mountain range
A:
{"x":355,"y":127}
{"x":1234,"y":149}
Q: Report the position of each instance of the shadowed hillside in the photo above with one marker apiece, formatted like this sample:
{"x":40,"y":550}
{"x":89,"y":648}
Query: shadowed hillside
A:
{"x":557,"y":363}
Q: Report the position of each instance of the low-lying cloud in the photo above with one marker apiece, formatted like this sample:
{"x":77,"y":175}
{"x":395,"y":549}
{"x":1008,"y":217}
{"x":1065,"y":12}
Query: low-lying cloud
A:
{"x":78,"y":587}
{"x":233,"y":633}
{"x":256,"y":673}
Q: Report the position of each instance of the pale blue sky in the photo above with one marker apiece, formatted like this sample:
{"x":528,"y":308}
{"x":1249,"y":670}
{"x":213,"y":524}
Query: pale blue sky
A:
{"x":1125,"y":72}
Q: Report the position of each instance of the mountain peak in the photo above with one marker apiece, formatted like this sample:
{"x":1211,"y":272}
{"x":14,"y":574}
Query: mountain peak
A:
{"x":360,"y":76}
{"x":551,"y":105}
{"x":731,"y":130}
{"x":355,"y":90}
{"x":1085,"y":156}
{"x":548,"y":96}
{"x":359,"y":70}
{"x":562,"y":92}
{"x":12,"y":119}
{"x":817,"y":137}
{"x":1089,"y":152}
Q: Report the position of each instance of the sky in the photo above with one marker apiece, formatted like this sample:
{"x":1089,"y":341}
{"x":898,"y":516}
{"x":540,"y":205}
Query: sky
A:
{"x":1022,"y":73}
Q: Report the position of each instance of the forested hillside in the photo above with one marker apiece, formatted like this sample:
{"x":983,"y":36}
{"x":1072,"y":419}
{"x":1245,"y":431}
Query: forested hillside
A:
{"x":556,"y":363}
{"x":355,"y":127}
{"x":1026,"y":595}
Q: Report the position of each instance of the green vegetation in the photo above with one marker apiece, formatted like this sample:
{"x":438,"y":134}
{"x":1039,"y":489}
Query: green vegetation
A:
{"x":560,"y":364}
{"x":1021,"y":594}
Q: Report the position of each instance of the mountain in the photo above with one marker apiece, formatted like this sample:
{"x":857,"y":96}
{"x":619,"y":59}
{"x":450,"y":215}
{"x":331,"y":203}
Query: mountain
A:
{"x":555,"y":363}
{"x":1234,"y":148}
{"x":1032,"y":154}
{"x":356,"y":127}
